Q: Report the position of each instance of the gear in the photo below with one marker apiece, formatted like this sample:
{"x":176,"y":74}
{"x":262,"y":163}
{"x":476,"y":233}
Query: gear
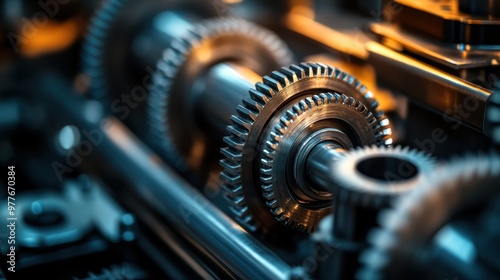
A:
{"x":329,"y":113}
{"x":493,"y":114}
{"x":105,"y":60}
{"x":409,"y":227}
{"x":225,"y":39}
{"x":371,"y":176}
{"x":248,"y":132}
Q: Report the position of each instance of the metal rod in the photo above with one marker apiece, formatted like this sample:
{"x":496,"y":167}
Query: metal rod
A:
{"x":200,"y":222}
{"x":225,"y":86}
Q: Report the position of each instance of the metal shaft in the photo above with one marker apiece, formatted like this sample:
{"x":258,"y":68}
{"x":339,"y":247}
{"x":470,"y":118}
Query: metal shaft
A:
{"x":319,"y":164}
{"x":202,"y":224}
{"x":224,"y":87}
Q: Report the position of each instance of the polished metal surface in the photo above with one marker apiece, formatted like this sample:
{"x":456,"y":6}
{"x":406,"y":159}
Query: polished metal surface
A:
{"x":372,"y":176}
{"x":118,"y":156}
{"x":435,"y":88}
{"x":246,"y":181}
{"x":365,"y":181}
{"x":223,"y":89}
{"x":319,"y":164}
{"x":202,"y":224}
{"x":460,"y":184}
{"x":291,"y":133}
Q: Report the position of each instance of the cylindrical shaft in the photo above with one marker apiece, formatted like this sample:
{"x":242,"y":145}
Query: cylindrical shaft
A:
{"x":225,"y":85}
{"x":205,"y":226}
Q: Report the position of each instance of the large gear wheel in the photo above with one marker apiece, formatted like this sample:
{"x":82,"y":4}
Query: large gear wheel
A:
{"x":409,"y":226}
{"x":329,"y":114}
{"x":206,"y":44}
{"x":251,"y":126}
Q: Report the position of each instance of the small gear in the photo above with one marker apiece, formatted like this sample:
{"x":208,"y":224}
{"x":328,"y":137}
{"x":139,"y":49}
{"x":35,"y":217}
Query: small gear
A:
{"x":416,"y":217}
{"x":225,"y":39}
{"x":328,"y":111}
{"x":248,"y":131}
{"x":371,"y":176}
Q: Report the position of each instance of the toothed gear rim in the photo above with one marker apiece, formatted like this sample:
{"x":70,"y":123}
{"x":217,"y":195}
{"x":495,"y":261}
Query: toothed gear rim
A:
{"x":330,"y":115}
{"x":407,"y":227}
{"x":226,"y":39}
{"x":493,"y":114}
{"x":283,"y":87}
{"x":371,"y":176}
{"x":94,"y":46}
{"x":104,"y":49}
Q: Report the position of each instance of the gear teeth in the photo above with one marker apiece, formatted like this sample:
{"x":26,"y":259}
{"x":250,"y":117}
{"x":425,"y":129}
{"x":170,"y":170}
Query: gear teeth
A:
{"x":406,"y":226}
{"x":231,"y":154}
{"x":291,"y":75}
{"x":238,"y":131}
{"x":269,"y":152}
{"x":230,"y":166}
{"x":281,"y":78}
{"x":247,"y":113}
{"x":231,"y":179}
{"x":237,"y":201}
{"x":263,"y":93}
{"x":275,"y":85}
{"x":267,"y":188}
{"x":259,"y":97}
{"x":266,"y":163}
{"x":354,"y":187}
{"x":235,"y":142}
{"x":242,"y":123}
{"x":164,"y":79}
{"x":253,"y":105}
{"x":93,"y":46}
{"x":265,"y":89}
{"x":269,"y":195}
{"x":277,"y":211}
{"x":299,"y":71}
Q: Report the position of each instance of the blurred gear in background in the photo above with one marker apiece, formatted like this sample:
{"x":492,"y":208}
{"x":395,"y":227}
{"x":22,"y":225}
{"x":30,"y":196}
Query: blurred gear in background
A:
{"x":207,"y":139}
